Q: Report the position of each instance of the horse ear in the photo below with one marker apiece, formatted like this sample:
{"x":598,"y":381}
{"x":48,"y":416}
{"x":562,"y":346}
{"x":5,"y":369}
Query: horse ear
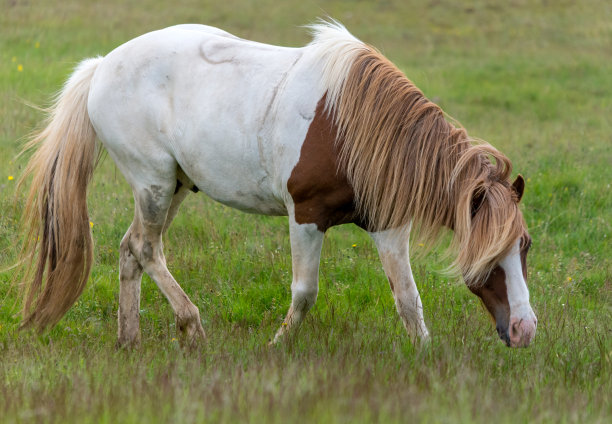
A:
{"x":519,"y":187}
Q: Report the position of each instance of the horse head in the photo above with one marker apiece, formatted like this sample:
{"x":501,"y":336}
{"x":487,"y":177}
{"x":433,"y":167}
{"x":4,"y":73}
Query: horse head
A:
{"x":504,"y":291}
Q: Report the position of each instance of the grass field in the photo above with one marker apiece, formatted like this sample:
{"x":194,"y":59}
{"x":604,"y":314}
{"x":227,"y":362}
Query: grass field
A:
{"x":534,"y":78}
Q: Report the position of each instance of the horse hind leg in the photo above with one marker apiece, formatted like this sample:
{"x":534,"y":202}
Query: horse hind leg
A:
{"x":130,"y":276}
{"x":156,"y":205}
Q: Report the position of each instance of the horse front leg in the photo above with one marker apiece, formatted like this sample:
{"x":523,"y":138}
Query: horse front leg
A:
{"x":392,"y":248}
{"x":306,"y":242}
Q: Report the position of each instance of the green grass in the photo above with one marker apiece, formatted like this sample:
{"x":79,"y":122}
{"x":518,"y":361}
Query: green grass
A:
{"x":534,"y":78}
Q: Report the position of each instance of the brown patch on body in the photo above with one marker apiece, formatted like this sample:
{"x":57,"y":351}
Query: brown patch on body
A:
{"x":494,"y":296}
{"x":320,"y":190}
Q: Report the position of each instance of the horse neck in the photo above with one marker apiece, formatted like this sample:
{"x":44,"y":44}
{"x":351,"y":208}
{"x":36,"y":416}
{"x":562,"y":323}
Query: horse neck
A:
{"x":399,"y":157}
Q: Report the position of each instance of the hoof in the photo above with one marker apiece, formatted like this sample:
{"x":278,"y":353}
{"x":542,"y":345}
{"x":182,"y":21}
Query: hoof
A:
{"x":127,"y":344}
{"x":191,"y":332}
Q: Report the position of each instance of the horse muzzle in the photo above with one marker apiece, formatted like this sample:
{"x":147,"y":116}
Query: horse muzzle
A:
{"x":519,"y":333}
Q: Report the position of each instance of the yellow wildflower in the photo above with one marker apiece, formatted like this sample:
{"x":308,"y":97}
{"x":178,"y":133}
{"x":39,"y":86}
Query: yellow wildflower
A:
{"x":355,"y":245}
{"x":37,"y":45}
{"x":20,"y":68}
{"x":10,"y":178}
{"x":91,"y":224}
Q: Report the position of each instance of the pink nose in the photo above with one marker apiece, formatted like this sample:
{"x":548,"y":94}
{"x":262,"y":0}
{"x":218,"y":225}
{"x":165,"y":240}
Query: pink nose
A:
{"x":522,"y":331}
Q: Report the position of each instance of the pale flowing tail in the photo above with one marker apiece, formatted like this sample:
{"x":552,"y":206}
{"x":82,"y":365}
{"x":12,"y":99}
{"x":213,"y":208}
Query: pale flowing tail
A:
{"x":57,"y":242}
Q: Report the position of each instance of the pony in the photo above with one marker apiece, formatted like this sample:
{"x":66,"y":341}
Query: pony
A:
{"x":326,"y":134}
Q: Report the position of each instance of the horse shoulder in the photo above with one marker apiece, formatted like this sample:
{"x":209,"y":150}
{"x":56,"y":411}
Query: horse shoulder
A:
{"x":319,"y":188}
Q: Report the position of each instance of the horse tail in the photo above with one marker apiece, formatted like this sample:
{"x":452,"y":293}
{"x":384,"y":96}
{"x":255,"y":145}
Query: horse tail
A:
{"x":57,"y":243}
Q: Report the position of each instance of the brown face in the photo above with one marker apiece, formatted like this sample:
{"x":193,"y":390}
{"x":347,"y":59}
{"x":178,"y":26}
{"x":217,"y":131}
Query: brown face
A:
{"x":494,"y":296}
{"x":494,"y":293}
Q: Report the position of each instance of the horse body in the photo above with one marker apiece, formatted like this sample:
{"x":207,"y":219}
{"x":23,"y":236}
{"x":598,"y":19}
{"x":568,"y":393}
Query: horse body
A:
{"x":190,"y":97}
{"x":277,"y":131}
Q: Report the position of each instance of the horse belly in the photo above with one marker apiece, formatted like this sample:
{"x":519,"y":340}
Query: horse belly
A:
{"x":236,"y":181}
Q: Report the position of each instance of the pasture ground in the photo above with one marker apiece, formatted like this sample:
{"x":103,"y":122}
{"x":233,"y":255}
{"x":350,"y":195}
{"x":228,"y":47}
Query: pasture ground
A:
{"x":534,"y":78}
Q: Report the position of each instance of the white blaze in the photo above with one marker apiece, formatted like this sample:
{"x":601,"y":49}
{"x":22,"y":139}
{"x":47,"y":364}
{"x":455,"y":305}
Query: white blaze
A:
{"x":522,"y":319}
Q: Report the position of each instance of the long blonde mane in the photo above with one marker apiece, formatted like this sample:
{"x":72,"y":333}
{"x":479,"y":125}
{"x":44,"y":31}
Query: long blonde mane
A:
{"x":406,"y":163}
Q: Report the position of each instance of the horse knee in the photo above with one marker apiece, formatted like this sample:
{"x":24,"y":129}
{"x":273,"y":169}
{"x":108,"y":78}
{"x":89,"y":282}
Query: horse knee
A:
{"x":142,"y":249}
{"x":304,"y":296}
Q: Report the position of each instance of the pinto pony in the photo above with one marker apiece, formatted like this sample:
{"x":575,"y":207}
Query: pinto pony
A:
{"x":327,"y":134}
